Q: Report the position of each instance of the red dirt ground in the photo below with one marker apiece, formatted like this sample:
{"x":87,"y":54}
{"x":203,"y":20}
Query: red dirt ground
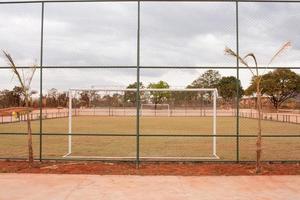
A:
{"x":127,"y":168}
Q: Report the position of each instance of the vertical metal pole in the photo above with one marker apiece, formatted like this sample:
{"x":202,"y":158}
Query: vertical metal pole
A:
{"x":215,"y":123}
{"x":138,"y":89}
{"x":41,"y":82}
{"x":237,"y":84}
{"x":70,"y":124}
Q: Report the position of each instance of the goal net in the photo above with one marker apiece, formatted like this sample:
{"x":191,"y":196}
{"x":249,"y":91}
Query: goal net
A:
{"x":179,"y":104}
{"x":155,"y":110}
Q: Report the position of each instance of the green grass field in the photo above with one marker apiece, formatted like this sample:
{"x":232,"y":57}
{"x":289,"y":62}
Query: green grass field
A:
{"x":278,"y":148}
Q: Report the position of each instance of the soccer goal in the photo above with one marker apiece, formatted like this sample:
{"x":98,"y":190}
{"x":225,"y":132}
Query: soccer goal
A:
{"x":192,"y":102}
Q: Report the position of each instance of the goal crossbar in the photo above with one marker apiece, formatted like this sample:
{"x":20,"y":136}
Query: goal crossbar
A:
{"x":149,"y":89}
{"x":214,"y":124}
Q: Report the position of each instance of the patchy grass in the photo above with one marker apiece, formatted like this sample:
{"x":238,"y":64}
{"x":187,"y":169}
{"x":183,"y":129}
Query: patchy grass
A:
{"x":278,"y":148}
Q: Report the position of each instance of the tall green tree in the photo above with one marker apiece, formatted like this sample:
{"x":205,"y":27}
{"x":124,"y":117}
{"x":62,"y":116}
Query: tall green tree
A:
{"x":8,"y":99}
{"x":130,"y":96}
{"x":227,"y":88}
{"x":18,"y":96}
{"x":12,"y":98}
{"x":62,"y":99}
{"x":85,"y":98}
{"x":209,"y":79}
{"x":158,"y":97}
{"x":278,"y":85}
{"x":51,"y":98}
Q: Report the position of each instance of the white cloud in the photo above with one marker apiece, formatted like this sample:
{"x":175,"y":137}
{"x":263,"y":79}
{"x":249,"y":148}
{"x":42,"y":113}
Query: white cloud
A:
{"x":175,"y":34}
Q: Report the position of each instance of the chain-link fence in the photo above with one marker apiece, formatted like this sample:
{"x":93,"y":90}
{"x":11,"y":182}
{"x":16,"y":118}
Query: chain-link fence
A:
{"x":162,"y":39}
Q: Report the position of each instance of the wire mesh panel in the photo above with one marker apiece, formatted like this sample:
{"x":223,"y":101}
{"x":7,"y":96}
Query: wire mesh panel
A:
{"x":187,"y":33}
{"x":13,"y":110}
{"x":90,"y":147}
{"x":95,"y":119}
{"x":20,"y":30}
{"x":176,"y":114}
{"x":262,"y":32}
{"x":278,"y":126}
{"x":15,"y":146}
{"x":104,"y":119}
{"x":144,"y":42}
{"x":87,"y":38}
{"x":273,"y":149}
{"x":102,"y":103}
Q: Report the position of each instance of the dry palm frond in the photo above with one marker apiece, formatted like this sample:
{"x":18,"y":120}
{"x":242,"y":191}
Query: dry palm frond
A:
{"x":14,"y":68}
{"x":284,"y":47}
{"x":251,"y":55}
{"x":23,"y":74}
{"x":25,"y":80}
{"x":9,"y":58}
{"x":30,"y":77}
{"x":230,"y":52}
{"x":280,"y":51}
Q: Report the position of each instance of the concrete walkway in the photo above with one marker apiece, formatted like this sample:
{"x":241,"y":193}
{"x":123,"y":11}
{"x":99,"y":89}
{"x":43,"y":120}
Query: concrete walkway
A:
{"x":85,"y":187}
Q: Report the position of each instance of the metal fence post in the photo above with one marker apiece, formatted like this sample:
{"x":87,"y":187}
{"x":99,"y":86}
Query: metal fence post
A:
{"x":41,"y":81}
{"x":138,"y":88}
{"x":237,"y":83}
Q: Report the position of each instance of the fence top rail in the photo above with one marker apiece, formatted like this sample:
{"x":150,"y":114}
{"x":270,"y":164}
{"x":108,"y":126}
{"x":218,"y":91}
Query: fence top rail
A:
{"x":146,"y":67}
{"x":147,"y":90}
{"x":83,"y":1}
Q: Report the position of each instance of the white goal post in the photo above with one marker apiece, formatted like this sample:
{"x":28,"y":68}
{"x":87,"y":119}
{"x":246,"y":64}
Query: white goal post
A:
{"x":213,"y":91}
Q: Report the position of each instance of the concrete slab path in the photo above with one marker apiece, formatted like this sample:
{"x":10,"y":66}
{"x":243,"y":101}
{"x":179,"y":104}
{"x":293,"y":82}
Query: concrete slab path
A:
{"x":86,"y":187}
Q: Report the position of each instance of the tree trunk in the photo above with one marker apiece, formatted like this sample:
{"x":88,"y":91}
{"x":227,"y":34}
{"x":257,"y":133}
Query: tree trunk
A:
{"x":277,"y":107}
{"x":29,"y":134}
{"x":258,"y":141}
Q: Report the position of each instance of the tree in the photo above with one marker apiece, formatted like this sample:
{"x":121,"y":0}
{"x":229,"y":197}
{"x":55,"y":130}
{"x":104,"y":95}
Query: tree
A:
{"x":18,"y":95}
{"x":227,"y":88}
{"x":62,"y":99}
{"x":52,"y":97}
{"x":116,"y":100}
{"x":243,"y":60}
{"x":209,"y":79}
{"x":25,"y":84}
{"x":159,"y":97}
{"x":85,"y":98}
{"x":7,"y":99}
{"x":96,"y":99}
{"x":129,"y":96}
{"x":11,"y":98}
{"x":279,"y":85}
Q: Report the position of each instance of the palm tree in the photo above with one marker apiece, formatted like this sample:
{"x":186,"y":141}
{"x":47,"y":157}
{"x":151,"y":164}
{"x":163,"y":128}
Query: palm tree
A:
{"x":25,"y":83}
{"x":258,"y":78}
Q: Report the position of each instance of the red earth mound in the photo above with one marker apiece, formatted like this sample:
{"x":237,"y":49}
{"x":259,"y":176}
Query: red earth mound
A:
{"x":126,"y":168}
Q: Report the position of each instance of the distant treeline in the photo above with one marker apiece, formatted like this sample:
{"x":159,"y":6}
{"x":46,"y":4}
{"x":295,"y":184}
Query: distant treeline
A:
{"x":278,"y":87}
